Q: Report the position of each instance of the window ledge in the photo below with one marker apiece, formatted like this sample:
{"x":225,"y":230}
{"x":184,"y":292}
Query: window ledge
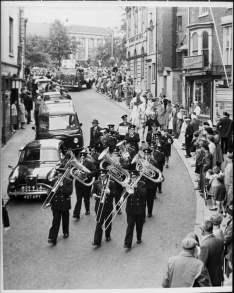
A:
{"x":204,"y":14}
{"x":11,"y":55}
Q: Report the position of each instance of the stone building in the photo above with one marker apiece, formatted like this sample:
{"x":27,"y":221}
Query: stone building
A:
{"x":13,"y":36}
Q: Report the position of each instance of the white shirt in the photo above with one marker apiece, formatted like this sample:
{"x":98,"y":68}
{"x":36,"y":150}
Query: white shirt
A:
{"x":197,"y":110}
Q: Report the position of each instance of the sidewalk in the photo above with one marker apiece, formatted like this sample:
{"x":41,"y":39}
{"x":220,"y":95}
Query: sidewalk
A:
{"x":202,"y":210}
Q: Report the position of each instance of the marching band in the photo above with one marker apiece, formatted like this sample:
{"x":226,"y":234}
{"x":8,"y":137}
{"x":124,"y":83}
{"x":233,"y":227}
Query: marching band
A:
{"x":112,"y":169}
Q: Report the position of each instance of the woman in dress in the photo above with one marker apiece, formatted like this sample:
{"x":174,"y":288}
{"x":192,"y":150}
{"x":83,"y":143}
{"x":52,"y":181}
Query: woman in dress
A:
{"x":14,"y":115}
{"x":22,"y":113}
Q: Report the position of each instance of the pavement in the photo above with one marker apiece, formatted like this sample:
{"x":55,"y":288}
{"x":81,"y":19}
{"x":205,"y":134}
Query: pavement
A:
{"x":10,"y":156}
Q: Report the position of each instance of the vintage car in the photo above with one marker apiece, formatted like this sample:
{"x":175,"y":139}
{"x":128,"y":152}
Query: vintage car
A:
{"x":59,"y":119}
{"x":51,"y":96}
{"x":32,"y":176}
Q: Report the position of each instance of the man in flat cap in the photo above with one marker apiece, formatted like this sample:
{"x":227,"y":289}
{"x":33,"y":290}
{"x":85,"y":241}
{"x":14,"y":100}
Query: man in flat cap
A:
{"x":212,"y":253}
{"x":94,"y":132}
{"x":184,"y":270}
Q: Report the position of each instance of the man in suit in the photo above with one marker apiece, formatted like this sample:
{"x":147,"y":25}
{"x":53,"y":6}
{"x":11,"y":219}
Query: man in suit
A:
{"x":60,"y":206}
{"x":135,"y":208}
{"x":225,"y":128}
{"x":212,"y":253}
{"x":228,"y":238}
{"x":125,"y":123}
{"x":94,"y":132}
{"x":188,"y":137}
{"x":133,"y":137}
{"x":103,"y":209}
{"x":184,"y":270}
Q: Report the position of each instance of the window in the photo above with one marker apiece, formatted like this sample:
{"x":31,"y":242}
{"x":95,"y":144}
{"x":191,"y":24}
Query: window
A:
{"x":178,"y":60}
{"x":205,"y":48}
{"x":151,"y":37}
{"x":203,"y":96}
{"x":153,"y":71}
{"x":135,"y":64}
{"x":179,"y":23}
{"x":136,"y":22}
{"x":227,"y":45}
{"x":143,"y":18}
{"x":142,"y":63}
{"x":203,"y":11}
{"x":195,"y":44}
{"x":129,"y":25}
{"x":10,"y":35}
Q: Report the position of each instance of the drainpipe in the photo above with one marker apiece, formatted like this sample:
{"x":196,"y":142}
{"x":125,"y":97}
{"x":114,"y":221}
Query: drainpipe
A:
{"x":156,"y":50}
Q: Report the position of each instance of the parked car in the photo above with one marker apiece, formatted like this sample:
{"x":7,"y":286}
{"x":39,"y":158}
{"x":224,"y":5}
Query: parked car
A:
{"x":34,"y":172}
{"x":51,"y":96}
{"x":59,"y":119}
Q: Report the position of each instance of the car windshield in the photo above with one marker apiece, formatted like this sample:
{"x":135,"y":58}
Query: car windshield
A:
{"x":52,"y":97}
{"x":49,"y":155}
{"x":68,"y":121}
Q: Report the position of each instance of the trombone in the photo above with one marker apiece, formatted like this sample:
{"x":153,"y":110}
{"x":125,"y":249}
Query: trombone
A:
{"x":102,"y":199}
{"x":122,"y":201}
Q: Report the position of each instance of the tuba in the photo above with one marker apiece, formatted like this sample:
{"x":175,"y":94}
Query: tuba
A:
{"x":117,"y":173}
{"x":80,"y":173}
{"x":150,"y":171}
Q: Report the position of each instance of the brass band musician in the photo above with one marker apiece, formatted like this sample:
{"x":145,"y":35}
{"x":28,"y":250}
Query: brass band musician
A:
{"x":99,"y":185}
{"x":113,"y":132}
{"x":125,"y":124}
{"x":133,"y":137}
{"x":83,"y":191}
{"x":127,"y":153}
{"x":105,"y":140}
{"x":151,"y":135}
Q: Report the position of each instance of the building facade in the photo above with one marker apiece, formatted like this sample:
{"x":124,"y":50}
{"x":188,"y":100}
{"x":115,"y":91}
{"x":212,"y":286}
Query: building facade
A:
{"x":208,"y":65}
{"x":13,"y":37}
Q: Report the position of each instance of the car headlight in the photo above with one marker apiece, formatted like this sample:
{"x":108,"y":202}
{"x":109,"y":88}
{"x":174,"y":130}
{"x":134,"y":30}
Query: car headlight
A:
{"x":12,"y":180}
{"x":75,"y":140}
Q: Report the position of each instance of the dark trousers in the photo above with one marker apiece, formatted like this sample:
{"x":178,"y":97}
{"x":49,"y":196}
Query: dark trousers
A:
{"x":158,"y":186}
{"x":99,"y":231}
{"x":132,"y":220}
{"x":224,"y":144}
{"x":82,"y":192}
{"x":188,"y":145}
{"x":118,"y":196}
{"x":57,"y":216}
{"x":5,"y":217}
{"x":150,"y":193}
{"x":29,"y":115}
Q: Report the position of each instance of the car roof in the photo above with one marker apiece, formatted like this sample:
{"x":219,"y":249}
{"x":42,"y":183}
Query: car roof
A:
{"x":57,"y":107}
{"x":43,"y":144}
{"x":51,"y":93}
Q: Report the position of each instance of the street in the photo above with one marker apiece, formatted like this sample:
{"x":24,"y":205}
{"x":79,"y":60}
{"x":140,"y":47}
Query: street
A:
{"x":30,"y":263}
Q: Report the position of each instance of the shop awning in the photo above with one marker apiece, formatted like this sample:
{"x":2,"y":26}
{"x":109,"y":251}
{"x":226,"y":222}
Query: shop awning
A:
{"x":182,"y":48}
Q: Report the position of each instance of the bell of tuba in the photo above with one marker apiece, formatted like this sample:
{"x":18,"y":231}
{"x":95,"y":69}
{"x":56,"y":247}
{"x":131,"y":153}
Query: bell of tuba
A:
{"x":80,"y":173}
{"x":149,"y":171}
{"x":117,"y":173}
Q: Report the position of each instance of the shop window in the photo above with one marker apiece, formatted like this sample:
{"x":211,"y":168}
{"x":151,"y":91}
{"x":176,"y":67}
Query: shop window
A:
{"x":203,"y":11}
{"x":153,"y":71}
{"x":203,"y":96}
{"x":135,"y":64}
{"x":227,"y":45}
{"x":11,"y":22}
{"x":195,"y":44}
{"x":179,"y":23}
{"x":142,"y":63}
{"x":205,"y":48}
{"x":151,"y":37}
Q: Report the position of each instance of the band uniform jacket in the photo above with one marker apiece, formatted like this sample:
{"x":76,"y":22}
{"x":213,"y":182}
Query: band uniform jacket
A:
{"x":136,"y":202}
{"x":184,"y":270}
{"x":62,"y":198}
{"x":92,"y":167}
{"x":167,"y":145}
{"x":121,"y":137}
{"x":97,"y":189}
{"x":149,"y":184}
{"x":134,"y":139}
{"x":94,"y":135}
{"x":211,"y":254}
{"x":159,"y":157}
{"x":114,"y":134}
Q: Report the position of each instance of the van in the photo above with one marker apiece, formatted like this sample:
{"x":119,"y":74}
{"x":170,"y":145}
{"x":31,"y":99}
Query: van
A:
{"x":59,"y":119}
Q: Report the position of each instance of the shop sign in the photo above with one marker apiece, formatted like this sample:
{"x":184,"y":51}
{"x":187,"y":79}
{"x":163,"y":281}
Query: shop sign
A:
{"x":220,"y":69}
{"x":193,"y":62}
{"x":138,"y":37}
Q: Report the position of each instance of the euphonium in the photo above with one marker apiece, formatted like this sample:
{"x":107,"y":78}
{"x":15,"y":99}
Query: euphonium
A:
{"x":149,"y":170}
{"x":117,"y":173}
{"x":80,"y":173}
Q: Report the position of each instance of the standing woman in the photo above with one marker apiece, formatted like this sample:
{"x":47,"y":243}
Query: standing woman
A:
{"x":22,"y":113}
{"x":14,"y":114}
{"x":129,"y":94}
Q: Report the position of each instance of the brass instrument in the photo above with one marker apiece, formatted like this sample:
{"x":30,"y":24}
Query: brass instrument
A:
{"x":116,"y":172}
{"x":47,"y":202}
{"x":149,"y":170}
{"x":102,"y":199}
{"x":80,"y":172}
{"x":122,"y":200}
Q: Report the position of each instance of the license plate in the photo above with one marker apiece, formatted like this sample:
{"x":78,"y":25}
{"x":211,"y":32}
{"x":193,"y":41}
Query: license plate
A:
{"x":29,"y":196}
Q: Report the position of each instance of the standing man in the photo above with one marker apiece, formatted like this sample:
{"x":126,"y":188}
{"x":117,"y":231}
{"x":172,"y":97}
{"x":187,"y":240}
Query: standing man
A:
{"x":123,"y":127}
{"x":228,"y":238}
{"x":225,"y":126}
{"x":135,"y":208}
{"x":103,"y":192}
{"x":83,"y":191}
{"x":28,"y":103}
{"x":133,"y":137}
{"x":167,"y":146}
{"x":212,"y":253}
{"x":184,"y":270}
{"x":174,"y":114}
{"x":94,"y":132}
{"x":188,"y":137}
{"x":60,"y":206}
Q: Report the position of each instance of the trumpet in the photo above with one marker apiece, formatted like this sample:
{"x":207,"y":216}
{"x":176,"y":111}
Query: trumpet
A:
{"x":122,"y":201}
{"x":102,"y":200}
{"x":80,"y":173}
{"x":52,"y":192}
{"x":117,"y":173}
{"x":150,"y":171}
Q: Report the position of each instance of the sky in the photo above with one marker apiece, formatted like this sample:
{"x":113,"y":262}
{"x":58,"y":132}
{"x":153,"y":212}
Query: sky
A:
{"x":72,"y":13}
